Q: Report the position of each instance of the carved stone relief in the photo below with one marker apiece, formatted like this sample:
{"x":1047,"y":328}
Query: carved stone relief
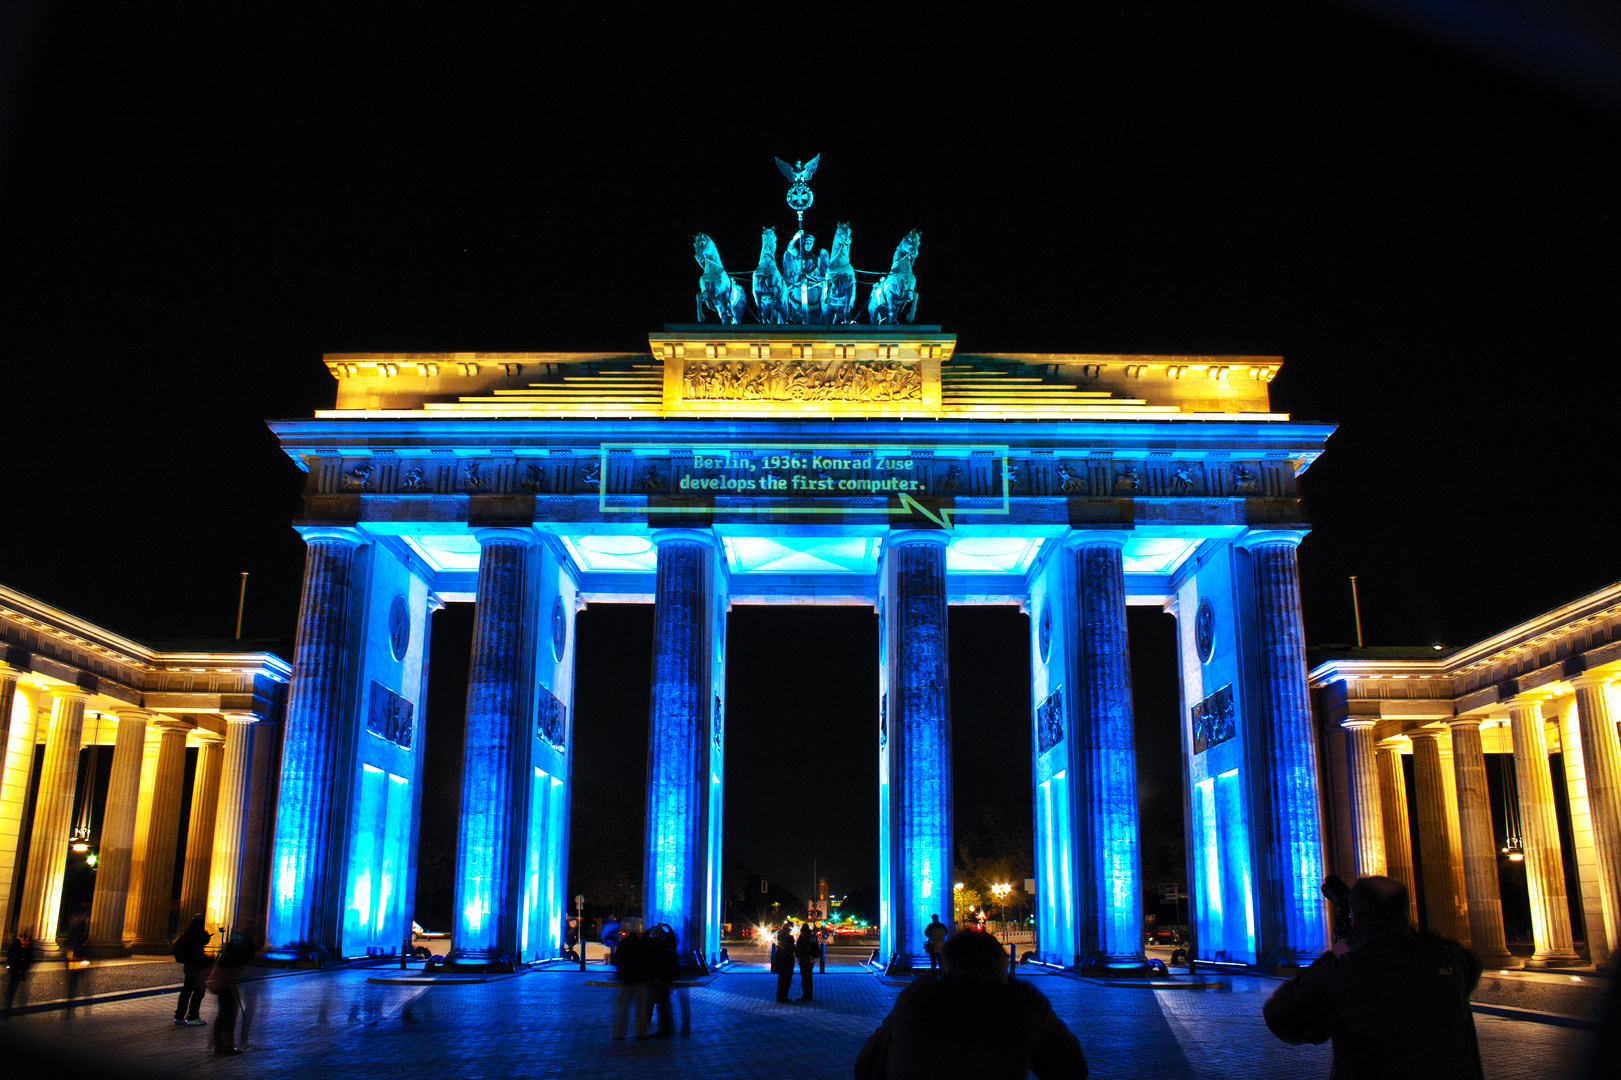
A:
{"x":1213,"y":720}
{"x":389,"y":716}
{"x":551,"y":720}
{"x":1050,"y":721}
{"x":803,"y":380}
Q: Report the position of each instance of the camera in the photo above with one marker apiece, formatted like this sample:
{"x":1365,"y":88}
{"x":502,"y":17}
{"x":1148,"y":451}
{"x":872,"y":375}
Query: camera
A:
{"x":1338,"y":893}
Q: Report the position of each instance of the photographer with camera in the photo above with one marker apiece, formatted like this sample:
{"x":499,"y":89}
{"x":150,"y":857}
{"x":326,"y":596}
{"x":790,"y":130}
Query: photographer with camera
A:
{"x":1394,"y":1001}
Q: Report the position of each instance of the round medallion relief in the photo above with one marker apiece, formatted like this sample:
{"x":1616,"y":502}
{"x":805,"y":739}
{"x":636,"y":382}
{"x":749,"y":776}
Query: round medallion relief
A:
{"x":1044,"y":636}
{"x":1204,"y":631}
{"x":399,"y":627}
{"x":559,"y":628}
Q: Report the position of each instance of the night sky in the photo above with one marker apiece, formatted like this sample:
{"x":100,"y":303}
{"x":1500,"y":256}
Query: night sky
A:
{"x":197,"y":201}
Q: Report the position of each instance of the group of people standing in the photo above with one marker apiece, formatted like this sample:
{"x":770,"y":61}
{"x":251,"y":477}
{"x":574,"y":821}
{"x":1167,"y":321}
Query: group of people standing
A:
{"x":806,"y":948}
{"x":646,"y":967}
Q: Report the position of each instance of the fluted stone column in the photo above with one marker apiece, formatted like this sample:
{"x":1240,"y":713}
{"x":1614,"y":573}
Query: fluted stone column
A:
{"x":1460,"y":893}
{"x":1110,"y":901}
{"x":304,"y":907}
{"x":16,"y":781}
{"x":1367,"y":813}
{"x":1294,"y":923}
{"x":674,"y":871}
{"x":232,"y":810}
{"x":1398,"y":831}
{"x":143,"y":826}
{"x":205,"y":786}
{"x":117,"y":838}
{"x":485,"y":930}
{"x":1544,"y":861}
{"x":1479,"y":844}
{"x":151,"y":932}
{"x":53,"y":818}
{"x":1601,"y":761}
{"x":920,"y":739}
{"x":8,"y":695}
{"x":1440,"y":905}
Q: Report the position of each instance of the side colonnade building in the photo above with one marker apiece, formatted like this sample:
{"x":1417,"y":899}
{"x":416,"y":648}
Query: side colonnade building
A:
{"x":839,"y":464}
{"x":1542,"y":694}
{"x":71,"y":693}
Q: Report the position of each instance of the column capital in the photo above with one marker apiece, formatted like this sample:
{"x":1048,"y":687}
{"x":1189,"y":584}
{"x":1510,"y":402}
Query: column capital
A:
{"x":238,"y":718}
{"x":1079,"y":538}
{"x":341,"y":534}
{"x":525,"y":537}
{"x":1355,"y":723}
{"x":1414,"y":736}
{"x":1465,"y":721}
{"x":204,"y":736}
{"x":70,"y":693}
{"x":1521,"y":702}
{"x":897,"y":537}
{"x":1589,"y":678}
{"x":167,"y":724}
{"x":682,"y":536}
{"x":1271,"y":538}
{"x":1392,"y":745}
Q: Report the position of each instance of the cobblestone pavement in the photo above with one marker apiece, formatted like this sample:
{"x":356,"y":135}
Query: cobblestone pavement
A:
{"x":330,"y":1025}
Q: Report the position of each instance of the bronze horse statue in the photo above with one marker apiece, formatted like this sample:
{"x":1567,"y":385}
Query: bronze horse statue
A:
{"x":770,"y":299}
{"x":894,"y":296}
{"x":716,"y":289}
{"x":839,"y":290}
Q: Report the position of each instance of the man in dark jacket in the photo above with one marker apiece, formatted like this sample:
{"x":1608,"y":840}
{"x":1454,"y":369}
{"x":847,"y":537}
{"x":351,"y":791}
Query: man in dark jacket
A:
{"x":809,"y":949}
{"x":234,"y":955}
{"x":1395,"y":1002}
{"x":19,"y":958}
{"x":971,"y":1021}
{"x":191,"y":949}
{"x":782,"y":960}
{"x":630,"y":970}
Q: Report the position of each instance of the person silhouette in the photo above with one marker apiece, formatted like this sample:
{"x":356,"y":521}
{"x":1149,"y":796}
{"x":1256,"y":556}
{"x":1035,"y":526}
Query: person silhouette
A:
{"x":934,"y":936}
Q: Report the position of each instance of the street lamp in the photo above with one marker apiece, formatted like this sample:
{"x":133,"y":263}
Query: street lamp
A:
{"x":1000,"y":892}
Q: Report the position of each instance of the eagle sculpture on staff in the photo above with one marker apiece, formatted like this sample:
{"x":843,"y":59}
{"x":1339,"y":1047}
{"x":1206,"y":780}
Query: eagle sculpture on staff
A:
{"x":799,"y":193}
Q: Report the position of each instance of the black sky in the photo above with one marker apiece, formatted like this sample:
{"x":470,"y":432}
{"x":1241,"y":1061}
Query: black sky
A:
{"x":200,"y":200}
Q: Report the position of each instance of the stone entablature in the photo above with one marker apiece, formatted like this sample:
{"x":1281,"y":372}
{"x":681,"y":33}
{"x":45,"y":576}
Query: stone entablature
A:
{"x":847,"y":371}
{"x":1405,"y":691}
{"x":49,"y":646}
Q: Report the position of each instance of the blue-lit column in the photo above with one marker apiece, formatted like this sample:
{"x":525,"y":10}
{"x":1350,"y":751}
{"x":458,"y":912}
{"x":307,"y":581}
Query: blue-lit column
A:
{"x":1105,"y":754}
{"x":1293,"y":925}
{"x":494,"y":756}
{"x":674,"y":879}
{"x":919,"y":725}
{"x":303,"y":901}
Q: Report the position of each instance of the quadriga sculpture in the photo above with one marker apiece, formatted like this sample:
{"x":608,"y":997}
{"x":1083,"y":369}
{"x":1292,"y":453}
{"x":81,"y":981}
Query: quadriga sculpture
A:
{"x":716,"y":289}
{"x":894,"y":296}
{"x":839,"y":291}
{"x":804,"y":271}
{"x":769,"y":289}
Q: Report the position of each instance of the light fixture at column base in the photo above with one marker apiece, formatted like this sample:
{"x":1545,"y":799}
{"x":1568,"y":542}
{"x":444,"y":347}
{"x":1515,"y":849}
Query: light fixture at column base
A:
{"x":298,"y":955}
{"x":486,"y":961}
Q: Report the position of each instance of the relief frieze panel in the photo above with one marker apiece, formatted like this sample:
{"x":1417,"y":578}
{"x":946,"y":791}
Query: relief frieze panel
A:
{"x":802,"y":380}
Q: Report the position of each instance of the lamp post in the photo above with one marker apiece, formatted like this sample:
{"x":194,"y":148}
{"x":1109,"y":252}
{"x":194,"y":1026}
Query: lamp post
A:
{"x":579,"y":917}
{"x":1000,"y":892}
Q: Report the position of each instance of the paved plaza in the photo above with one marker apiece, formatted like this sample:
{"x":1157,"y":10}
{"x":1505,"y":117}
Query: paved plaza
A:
{"x":553,"y":1023}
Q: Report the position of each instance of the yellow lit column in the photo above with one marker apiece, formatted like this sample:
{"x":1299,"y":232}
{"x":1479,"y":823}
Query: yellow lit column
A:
{"x":1601,"y":759}
{"x":1544,"y":863}
{"x":1440,"y":907}
{"x":117,"y":838}
{"x":151,"y":932}
{"x":53,"y":818}
{"x":1367,"y":819}
{"x":143,"y":823}
{"x":1393,"y":812}
{"x":1460,"y":892}
{"x":230,"y":824}
{"x":1479,"y":845}
{"x":205,"y":786}
{"x":16,"y":778}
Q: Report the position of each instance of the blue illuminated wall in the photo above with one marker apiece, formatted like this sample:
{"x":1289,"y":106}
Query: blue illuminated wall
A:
{"x":1052,"y":644}
{"x":380,"y":781}
{"x":550,"y":758}
{"x":1242,"y":910}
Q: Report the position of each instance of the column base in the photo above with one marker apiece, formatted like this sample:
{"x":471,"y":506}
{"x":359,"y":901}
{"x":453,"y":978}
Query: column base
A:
{"x":482,"y":960}
{"x":294,"y":955}
{"x":150,"y":948}
{"x":1501,"y":961}
{"x":1120,"y":967}
{"x":105,"y":950}
{"x":1553,"y":960}
{"x":905,"y":965}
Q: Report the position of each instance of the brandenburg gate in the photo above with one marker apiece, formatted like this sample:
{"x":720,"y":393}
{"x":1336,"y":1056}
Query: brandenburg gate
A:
{"x":832,"y":463}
